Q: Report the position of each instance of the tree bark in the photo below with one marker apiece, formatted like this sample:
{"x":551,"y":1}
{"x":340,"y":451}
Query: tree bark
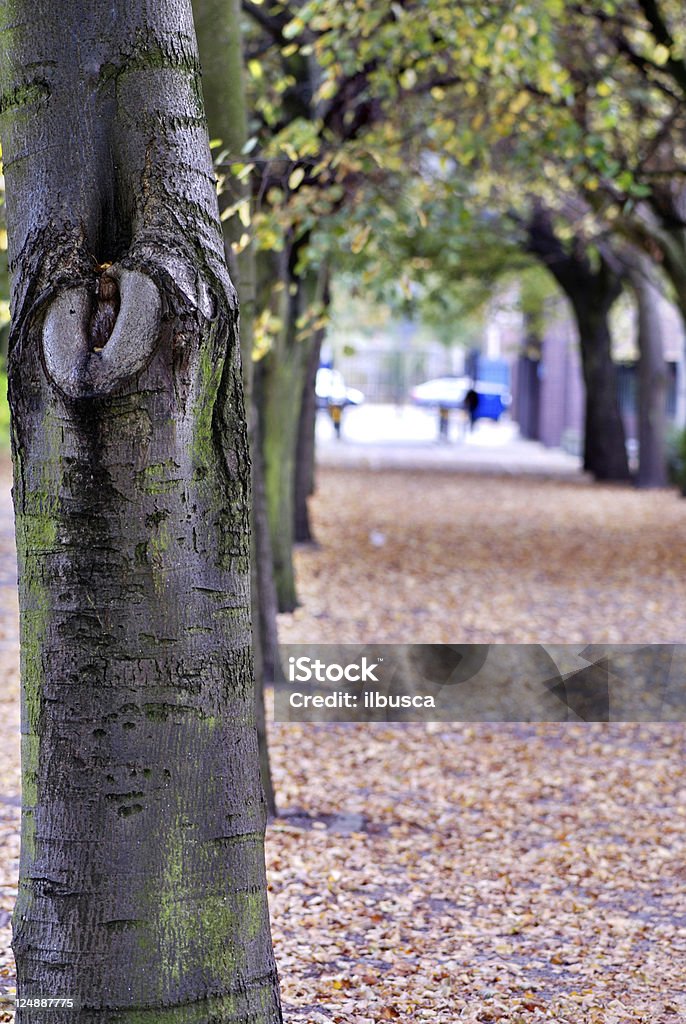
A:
{"x":652,"y":376}
{"x":592,"y":291}
{"x":605,"y":453}
{"x":279,"y":389}
{"x":265,"y":641}
{"x":221,"y":54}
{"x":305,"y":447}
{"x":272,"y":670}
{"x":286,"y":291}
{"x":281,"y":385}
{"x":142,"y":886}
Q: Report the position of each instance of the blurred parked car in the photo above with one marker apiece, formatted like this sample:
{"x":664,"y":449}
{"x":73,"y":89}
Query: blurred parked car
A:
{"x":450,"y":393}
{"x":333,"y":394}
{"x":331,"y":389}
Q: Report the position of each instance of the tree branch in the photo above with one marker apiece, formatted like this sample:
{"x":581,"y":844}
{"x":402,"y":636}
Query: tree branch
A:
{"x":274,"y":24}
{"x":653,"y":16}
{"x":660,"y":29}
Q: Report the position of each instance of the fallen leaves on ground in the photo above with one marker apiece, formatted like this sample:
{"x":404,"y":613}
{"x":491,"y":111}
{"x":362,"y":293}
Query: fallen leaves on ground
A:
{"x":480,"y":873}
{"x":445,"y":558}
{"x":483,"y":873}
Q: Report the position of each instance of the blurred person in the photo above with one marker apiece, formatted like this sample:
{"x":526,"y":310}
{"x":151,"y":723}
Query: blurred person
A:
{"x":471,"y":404}
{"x":443,"y":422}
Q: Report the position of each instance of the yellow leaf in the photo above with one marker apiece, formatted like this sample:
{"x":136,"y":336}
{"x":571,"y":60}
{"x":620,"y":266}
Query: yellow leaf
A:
{"x":519,"y":102}
{"x":327,"y":89}
{"x":242,"y":244}
{"x":296,"y":177}
{"x":293,"y":27}
{"x":242,"y":171}
{"x":661,"y":55}
{"x":360,"y":239}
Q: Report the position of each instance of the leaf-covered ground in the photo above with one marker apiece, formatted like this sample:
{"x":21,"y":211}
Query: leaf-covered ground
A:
{"x":445,"y":558}
{"x":480,"y":873}
{"x":466,"y":872}
{"x":483,"y":872}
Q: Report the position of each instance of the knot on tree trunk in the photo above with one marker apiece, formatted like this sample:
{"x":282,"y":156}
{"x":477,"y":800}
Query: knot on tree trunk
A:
{"x":95,"y":342}
{"x":105,"y":311}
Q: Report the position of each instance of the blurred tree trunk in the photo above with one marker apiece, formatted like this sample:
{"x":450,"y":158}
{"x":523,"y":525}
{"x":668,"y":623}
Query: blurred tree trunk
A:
{"x":592,"y":290}
{"x":217,"y":25}
{"x":142,"y":886}
{"x":281,"y":375}
{"x":263,"y":565}
{"x":286,"y":290}
{"x":605,"y":453}
{"x":280,"y":387}
{"x":652,"y":375}
{"x":305,"y":450}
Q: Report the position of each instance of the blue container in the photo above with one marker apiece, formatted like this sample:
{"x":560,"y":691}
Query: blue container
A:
{"x":493,"y":401}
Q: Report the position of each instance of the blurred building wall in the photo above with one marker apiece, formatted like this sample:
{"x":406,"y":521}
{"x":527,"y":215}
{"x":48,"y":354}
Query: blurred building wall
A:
{"x":547,"y":387}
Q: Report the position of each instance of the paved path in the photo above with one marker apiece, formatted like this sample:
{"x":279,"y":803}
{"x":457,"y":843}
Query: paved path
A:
{"x":390,"y":437}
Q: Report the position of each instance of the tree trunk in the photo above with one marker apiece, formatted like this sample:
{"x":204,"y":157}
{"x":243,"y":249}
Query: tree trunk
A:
{"x":652,"y":377}
{"x":605,"y":453}
{"x":305,"y":448}
{"x":592,"y":291}
{"x":266,"y":587}
{"x":279,"y":389}
{"x":142,"y":887}
{"x":263,"y":609}
{"x":221,"y":54}
{"x":260,"y":654}
{"x":287,"y":294}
